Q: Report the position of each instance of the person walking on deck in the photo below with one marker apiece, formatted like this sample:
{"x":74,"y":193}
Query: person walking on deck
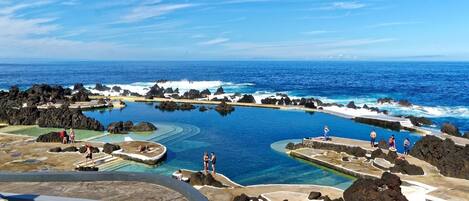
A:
{"x":372,"y":138}
{"x":213,"y":159}
{"x":205,"y":160}
{"x":326,"y":132}
{"x":72,"y":135}
{"x":406,"y":146}
{"x":89,"y":154}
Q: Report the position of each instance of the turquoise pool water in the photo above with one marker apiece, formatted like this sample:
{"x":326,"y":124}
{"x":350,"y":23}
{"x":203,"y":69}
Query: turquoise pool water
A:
{"x":244,"y":141}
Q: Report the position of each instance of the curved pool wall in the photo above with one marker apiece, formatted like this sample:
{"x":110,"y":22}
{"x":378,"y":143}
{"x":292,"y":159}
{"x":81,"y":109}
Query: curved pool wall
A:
{"x":242,"y":141}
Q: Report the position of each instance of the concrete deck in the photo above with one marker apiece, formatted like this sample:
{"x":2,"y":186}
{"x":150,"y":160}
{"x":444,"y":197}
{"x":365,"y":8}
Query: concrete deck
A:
{"x":432,"y":185}
{"x":100,"y":185}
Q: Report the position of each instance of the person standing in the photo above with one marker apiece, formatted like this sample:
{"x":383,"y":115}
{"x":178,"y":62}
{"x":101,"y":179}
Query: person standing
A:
{"x":326,"y":132}
{"x":65,"y":138}
{"x":213,"y":159}
{"x":392,"y":142}
{"x":72,"y":135}
{"x":205,"y":160}
{"x":372,"y":138}
{"x":89,"y":153}
{"x":406,"y":146}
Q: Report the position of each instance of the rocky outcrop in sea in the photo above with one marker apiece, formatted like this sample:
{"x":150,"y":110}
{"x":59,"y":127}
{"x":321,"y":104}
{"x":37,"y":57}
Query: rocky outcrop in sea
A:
{"x":173,"y":106}
{"x":224,"y":109}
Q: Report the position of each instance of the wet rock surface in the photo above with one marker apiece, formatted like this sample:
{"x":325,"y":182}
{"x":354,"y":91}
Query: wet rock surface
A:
{"x":387,"y":188}
{"x":201,"y":179}
{"x":452,"y":160}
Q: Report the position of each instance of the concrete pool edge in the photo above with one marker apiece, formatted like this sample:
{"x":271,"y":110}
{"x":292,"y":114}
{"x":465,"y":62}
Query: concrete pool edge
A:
{"x":185,"y":189}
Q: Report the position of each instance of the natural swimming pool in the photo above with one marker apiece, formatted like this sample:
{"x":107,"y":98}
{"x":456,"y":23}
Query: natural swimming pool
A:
{"x":242,"y":141}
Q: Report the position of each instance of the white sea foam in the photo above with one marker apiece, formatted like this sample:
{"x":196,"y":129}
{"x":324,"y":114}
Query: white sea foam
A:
{"x":416,"y":110}
{"x":230,"y":88}
{"x":183,"y":85}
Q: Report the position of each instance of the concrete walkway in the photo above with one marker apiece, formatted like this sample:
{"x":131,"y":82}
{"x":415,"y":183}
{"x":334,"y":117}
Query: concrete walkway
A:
{"x":26,"y":197}
{"x":432,"y":185}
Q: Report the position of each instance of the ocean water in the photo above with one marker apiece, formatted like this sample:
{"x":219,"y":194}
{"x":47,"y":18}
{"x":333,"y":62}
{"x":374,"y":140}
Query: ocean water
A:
{"x":437,"y":89}
{"x":244,"y":141}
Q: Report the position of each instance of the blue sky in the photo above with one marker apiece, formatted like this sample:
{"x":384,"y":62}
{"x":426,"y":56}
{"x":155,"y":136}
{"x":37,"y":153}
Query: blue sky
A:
{"x":235,"y":30}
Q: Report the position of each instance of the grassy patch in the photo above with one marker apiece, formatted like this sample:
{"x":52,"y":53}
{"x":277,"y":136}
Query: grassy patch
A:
{"x":36,"y":131}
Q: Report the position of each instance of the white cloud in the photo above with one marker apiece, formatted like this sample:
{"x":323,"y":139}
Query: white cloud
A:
{"x":70,"y":2}
{"x":344,"y":6}
{"x":215,"y":41}
{"x":24,"y":27}
{"x":8,"y":10}
{"x":146,"y":11}
{"x":390,"y":24}
{"x":243,"y":1}
{"x":315,"y":32}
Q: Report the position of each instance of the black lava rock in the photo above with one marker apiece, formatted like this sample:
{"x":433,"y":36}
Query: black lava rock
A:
{"x":352,"y":105}
{"x":387,"y":188}
{"x":247,"y":99}
{"x":219,"y":91}
{"x":404,"y":167}
{"x":313,"y":195}
{"x":49,"y":137}
{"x":55,"y":149}
{"x":452,"y":160}
{"x":224,"y":109}
{"x":101,"y":87}
{"x":450,"y":129}
{"x":70,"y":149}
{"x":120,"y":127}
{"x":143,"y":127}
{"x":108,"y":148}
{"x":393,"y":125}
